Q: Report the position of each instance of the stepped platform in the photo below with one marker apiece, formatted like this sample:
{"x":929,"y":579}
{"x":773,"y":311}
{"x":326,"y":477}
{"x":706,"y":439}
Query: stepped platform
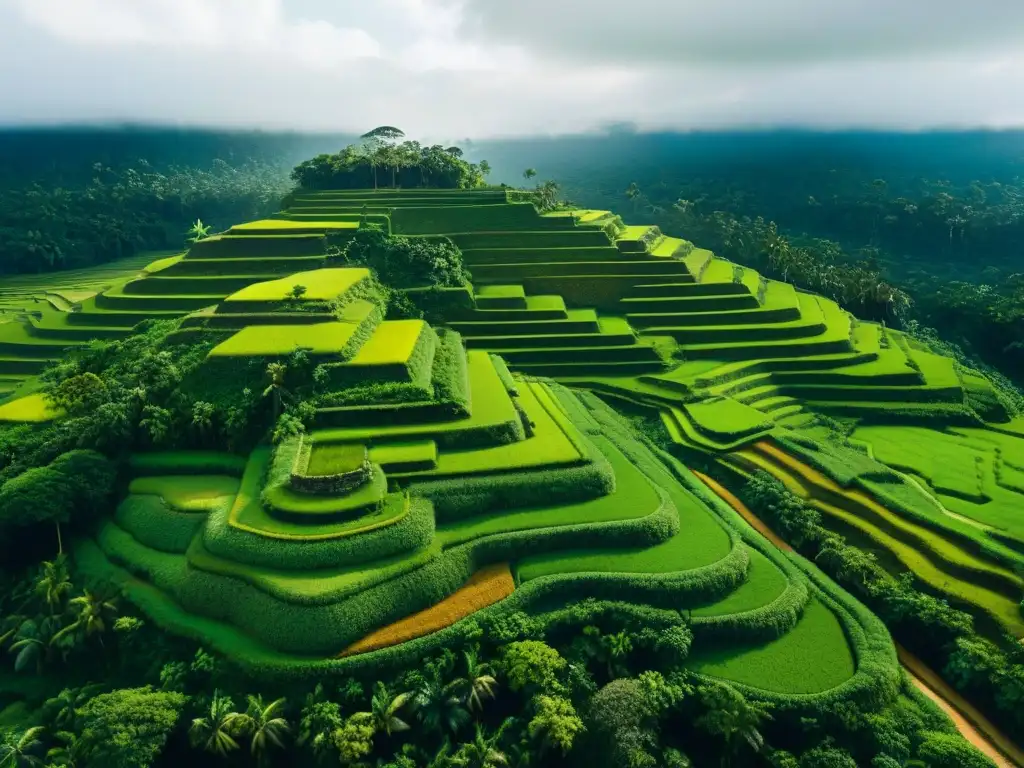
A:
{"x":537,"y":308}
{"x":575,"y":321}
{"x":638,"y":239}
{"x":529,"y":242}
{"x":493,"y":417}
{"x":826,"y":331}
{"x":194,"y":285}
{"x":290,"y":228}
{"x":56,"y":326}
{"x":610,"y":332}
{"x":725,"y":327}
{"x":258,"y":267}
{"x":501,"y":297}
{"x":487,"y":273}
{"x":481,"y":257}
{"x":257,"y":246}
{"x":116,"y":299}
{"x":93,"y":315}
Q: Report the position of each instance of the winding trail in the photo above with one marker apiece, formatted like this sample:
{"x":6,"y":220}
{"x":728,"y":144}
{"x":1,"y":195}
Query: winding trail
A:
{"x":971,"y":723}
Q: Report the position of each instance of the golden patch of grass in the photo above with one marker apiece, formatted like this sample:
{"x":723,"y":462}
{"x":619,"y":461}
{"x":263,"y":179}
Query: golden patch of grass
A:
{"x":485,"y":587}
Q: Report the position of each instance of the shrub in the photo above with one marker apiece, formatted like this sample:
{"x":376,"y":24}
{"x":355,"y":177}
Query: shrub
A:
{"x":128,"y":728}
{"x":450,"y":377}
{"x":949,"y":750}
{"x":403,"y":262}
{"x":77,"y":483}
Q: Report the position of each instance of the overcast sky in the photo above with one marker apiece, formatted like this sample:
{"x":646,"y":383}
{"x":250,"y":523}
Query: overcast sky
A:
{"x":483,"y":68}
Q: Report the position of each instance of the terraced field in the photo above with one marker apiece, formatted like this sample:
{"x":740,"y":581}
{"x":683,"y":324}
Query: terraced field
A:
{"x":35,"y":311}
{"x":502,"y":479}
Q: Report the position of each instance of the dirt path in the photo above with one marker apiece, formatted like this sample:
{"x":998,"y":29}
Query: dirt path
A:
{"x":971,"y":724}
{"x":757,"y":523}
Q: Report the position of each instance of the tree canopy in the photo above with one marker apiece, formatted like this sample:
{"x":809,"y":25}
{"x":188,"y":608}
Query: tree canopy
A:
{"x":380,"y":161}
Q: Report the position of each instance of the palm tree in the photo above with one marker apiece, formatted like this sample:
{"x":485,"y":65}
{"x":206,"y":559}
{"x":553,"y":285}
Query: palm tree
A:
{"x":216,"y":733}
{"x":92,"y":612}
{"x":479,"y":681}
{"x":734,"y":718}
{"x":374,"y":163}
{"x":32,"y":641}
{"x":198,"y":231}
{"x":61,"y":709}
{"x":439,"y":705}
{"x":55,"y":582}
{"x":384,"y":709}
{"x":633,"y":193}
{"x":18,"y":749}
{"x":483,"y":752}
{"x":266,"y":725}
{"x":70,"y":752}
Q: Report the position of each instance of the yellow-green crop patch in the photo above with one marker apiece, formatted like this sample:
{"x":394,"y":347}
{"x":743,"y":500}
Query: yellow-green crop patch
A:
{"x":812,"y":657}
{"x":34,"y":408}
{"x":336,"y":458}
{"x":272,"y":225}
{"x":164,"y":263}
{"x":189,"y":493}
{"x":281,"y":340}
{"x":725,"y":418}
{"x":320,"y":285}
{"x":392,"y":343}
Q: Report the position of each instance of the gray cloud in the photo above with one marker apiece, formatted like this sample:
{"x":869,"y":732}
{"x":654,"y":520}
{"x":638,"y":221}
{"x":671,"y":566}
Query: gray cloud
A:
{"x":450,"y":69}
{"x":699,"y":32}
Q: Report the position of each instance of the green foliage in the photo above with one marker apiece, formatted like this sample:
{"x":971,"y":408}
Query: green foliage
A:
{"x":823,"y":757}
{"x":403,"y":262}
{"x":115,"y":212}
{"x":555,"y":724}
{"x":410,"y":164}
{"x":198,"y":231}
{"x":534,"y":666}
{"x":623,"y":722}
{"x":947,"y":750}
{"x":127,"y":728}
{"x":81,"y":393}
{"x":75,"y":484}
{"x":929,"y":626}
{"x":22,"y":748}
{"x":733,"y":718}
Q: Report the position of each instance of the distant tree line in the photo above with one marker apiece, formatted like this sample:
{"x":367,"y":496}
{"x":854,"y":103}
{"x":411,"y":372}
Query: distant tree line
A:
{"x":120,"y":211}
{"x":378,"y":160}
